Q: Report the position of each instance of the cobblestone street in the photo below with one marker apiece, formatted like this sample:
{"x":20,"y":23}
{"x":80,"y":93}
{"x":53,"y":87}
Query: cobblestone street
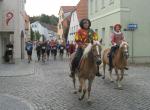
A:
{"x":49,"y":87}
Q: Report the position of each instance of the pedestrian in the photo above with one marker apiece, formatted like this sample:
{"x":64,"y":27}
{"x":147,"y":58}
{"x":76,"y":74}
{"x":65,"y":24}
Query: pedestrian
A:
{"x":29,"y":48}
{"x":48,"y":49}
{"x":43,"y":48}
{"x":9,"y":52}
{"x":38,"y":50}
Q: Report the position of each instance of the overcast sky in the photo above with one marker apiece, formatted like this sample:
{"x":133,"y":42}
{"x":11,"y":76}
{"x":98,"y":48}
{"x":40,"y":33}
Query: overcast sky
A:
{"x":49,"y":7}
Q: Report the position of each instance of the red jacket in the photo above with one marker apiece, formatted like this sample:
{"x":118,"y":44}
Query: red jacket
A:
{"x":117,"y":38}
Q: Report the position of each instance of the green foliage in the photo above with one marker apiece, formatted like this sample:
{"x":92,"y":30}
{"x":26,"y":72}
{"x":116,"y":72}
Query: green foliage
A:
{"x":37,"y":35}
{"x":32,"y":35}
{"x":52,"y":20}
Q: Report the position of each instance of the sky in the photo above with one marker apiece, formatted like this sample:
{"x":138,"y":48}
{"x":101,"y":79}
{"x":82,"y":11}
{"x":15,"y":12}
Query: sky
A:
{"x":48,"y":7}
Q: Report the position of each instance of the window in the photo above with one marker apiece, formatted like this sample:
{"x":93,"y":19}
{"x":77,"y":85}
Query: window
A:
{"x":73,"y":16}
{"x":111,"y":2}
{"x":96,"y":30}
{"x":59,"y":26}
{"x":103,"y":33}
{"x":62,"y":16}
{"x":103,"y":4}
{"x":96,"y":5}
{"x":91,"y":7}
{"x":76,"y":28}
{"x":111,"y":29}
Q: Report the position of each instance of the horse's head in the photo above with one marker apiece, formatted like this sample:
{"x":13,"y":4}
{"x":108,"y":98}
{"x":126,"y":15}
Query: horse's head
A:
{"x":93,"y":51}
{"x":96,"y":50}
{"x":124,"y":48}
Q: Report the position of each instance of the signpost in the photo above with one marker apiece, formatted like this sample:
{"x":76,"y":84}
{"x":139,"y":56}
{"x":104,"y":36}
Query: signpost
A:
{"x":132,"y":27}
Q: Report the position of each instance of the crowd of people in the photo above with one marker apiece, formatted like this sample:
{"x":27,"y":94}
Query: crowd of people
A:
{"x":45,"y":49}
{"x":83,"y":36}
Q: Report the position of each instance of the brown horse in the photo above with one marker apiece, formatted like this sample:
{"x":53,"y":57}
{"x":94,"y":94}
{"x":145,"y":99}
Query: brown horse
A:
{"x":119,"y":62}
{"x":88,"y":68}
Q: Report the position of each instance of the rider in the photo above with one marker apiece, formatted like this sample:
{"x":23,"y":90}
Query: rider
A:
{"x":116,"y":39}
{"x":83,"y":36}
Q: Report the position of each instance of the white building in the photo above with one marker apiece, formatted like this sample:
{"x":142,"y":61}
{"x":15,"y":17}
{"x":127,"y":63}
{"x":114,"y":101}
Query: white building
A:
{"x":64,"y":12}
{"x":12,"y":26}
{"x":44,"y":30}
{"x":77,"y":15}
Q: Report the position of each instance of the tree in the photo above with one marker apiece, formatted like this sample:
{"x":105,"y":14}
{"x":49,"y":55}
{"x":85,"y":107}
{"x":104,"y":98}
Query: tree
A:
{"x":32,"y":35}
{"x":37,"y":35}
{"x":52,"y":20}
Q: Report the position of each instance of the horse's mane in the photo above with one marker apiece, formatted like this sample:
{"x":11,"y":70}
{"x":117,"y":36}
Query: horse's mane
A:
{"x":123,"y":43}
{"x":87,"y":50}
{"x":89,"y":47}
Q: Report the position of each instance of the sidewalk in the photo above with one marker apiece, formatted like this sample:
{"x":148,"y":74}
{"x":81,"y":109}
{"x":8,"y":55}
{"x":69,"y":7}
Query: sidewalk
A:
{"x":21,"y":68}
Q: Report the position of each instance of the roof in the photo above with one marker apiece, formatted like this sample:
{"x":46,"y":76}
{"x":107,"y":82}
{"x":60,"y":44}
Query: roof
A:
{"x":82,"y":9}
{"x":49,"y":27}
{"x":68,"y":8}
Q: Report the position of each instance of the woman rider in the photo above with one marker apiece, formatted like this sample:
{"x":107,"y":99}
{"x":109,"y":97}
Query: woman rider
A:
{"x":83,"y":36}
{"x":116,"y":39}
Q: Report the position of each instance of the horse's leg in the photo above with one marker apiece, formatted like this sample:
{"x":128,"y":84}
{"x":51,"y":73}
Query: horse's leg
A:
{"x":74,"y":84}
{"x":83,"y":89}
{"x":89,"y":88}
{"x":104,"y":66}
{"x":80,"y":86}
{"x":122,"y":74}
{"x":118,"y":79}
{"x":110,"y":76}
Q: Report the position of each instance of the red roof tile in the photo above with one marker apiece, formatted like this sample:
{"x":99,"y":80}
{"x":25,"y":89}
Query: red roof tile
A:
{"x":82,"y":9}
{"x":68,"y":8}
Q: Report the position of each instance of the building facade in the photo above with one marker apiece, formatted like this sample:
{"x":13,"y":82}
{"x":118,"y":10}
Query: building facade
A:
{"x":64,"y":12}
{"x":12,"y":27}
{"x":44,"y":30}
{"x":104,"y":14}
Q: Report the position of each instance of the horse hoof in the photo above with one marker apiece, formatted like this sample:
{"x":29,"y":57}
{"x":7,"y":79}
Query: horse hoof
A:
{"x":79,"y":90}
{"x":89,"y":101}
{"x":111,"y":81}
{"x":120,"y":88}
{"x":103,"y":77}
{"x":80,"y":98}
{"x":74,"y":92}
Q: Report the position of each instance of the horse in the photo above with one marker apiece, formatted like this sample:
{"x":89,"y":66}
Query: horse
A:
{"x":87,"y":68}
{"x":119,"y":62}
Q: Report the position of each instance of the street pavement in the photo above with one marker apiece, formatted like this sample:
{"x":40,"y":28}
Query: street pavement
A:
{"x":47,"y":86}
